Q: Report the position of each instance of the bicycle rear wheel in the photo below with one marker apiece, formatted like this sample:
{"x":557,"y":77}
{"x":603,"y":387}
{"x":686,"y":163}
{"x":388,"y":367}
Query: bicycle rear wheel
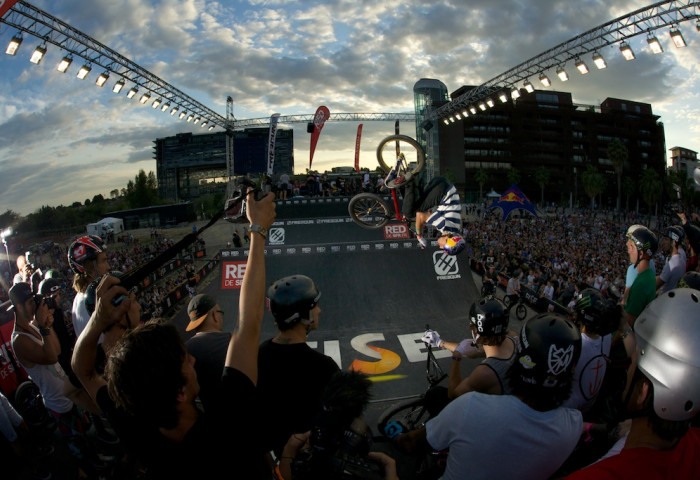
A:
{"x":387,"y":166}
{"x":369,"y":210}
{"x":402,"y":418}
{"x":521,"y":311}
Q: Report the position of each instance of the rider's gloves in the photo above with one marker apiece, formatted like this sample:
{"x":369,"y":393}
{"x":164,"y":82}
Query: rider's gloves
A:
{"x":467,"y":347}
{"x":432,"y":338}
{"x":422,"y":241}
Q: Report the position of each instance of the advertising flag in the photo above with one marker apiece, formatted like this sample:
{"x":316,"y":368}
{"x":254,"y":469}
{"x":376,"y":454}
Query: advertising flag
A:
{"x":322,"y":114}
{"x":357,"y":148}
{"x":5,"y":5}
{"x":271,"y":142}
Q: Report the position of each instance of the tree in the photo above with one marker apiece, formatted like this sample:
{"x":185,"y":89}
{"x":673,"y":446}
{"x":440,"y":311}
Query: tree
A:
{"x":142,"y":191}
{"x":628,"y":187}
{"x":114,"y":193}
{"x":9,"y":218}
{"x":650,"y":187}
{"x":513,"y":176}
{"x":593,"y":183}
{"x":542,"y":175}
{"x":481,"y":176}
{"x":617,"y":153}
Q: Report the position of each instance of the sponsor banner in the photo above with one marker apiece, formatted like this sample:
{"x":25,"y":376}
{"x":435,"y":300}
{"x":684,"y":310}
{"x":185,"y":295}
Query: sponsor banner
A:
{"x":357,"y":148}
{"x":394,"y":231}
{"x":271,"y":142}
{"x":5,"y":5}
{"x":322,"y":114}
{"x":329,"y":248}
{"x":232,"y":274}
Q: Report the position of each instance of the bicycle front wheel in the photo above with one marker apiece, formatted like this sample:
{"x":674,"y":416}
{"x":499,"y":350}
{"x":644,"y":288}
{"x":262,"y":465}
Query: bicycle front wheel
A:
{"x":402,"y":418}
{"x":402,"y":140}
{"x":369,"y":210}
{"x":521,"y":312}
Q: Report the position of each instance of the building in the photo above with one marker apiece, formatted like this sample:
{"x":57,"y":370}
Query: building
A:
{"x":685,"y":160}
{"x":545,"y":128}
{"x":428,"y":94}
{"x":191,"y":165}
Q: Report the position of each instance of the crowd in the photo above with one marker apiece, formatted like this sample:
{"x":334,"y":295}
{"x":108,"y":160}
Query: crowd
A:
{"x":547,"y":401}
{"x":322,"y":185}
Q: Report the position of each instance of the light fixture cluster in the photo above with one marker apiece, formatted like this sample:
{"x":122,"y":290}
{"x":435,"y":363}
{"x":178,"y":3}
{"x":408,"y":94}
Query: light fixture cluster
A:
{"x":581,"y":66}
{"x":40,"y":51}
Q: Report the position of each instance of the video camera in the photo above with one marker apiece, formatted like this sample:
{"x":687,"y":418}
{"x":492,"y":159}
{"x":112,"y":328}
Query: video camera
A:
{"x":235,"y":207}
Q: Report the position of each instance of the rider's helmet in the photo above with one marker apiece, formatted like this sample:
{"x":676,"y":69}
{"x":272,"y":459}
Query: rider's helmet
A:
{"x":668,"y":340}
{"x":693,"y":234}
{"x":675,"y":233}
{"x":291,"y":299}
{"x":548,"y":350}
{"x":488,"y":317}
{"x":52,"y":274}
{"x":83,"y":249}
{"x":690,"y":279}
{"x":454,"y":244}
{"x":632,"y":228}
{"x":645,"y":241}
{"x":91,"y":292}
{"x":598,"y":314}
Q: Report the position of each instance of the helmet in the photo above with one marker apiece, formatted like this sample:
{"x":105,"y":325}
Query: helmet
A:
{"x":548,"y":350}
{"x":91,"y":292}
{"x":690,"y":279}
{"x":53,"y":274}
{"x":49,"y":286}
{"x":693,"y":233}
{"x":291,"y":299}
{"x":668,"y":340}
{"x":488,"y":317}
{"x":598,"y":314}
{"x":675,"y":233}
{"x":454,"y":245}
{"x":82,"y":249}
{"x":632,"y":228}
{"x":645,"y":241}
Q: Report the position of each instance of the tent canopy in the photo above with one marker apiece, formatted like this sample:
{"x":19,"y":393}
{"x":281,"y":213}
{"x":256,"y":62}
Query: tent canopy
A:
{"x":513,"y":199}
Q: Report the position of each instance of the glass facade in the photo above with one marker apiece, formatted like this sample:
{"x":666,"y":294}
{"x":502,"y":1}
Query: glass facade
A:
{"x":428,"y":94}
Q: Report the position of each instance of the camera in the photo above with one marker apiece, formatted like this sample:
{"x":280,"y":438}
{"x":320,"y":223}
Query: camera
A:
{"x":235,"y":207}
{"x":50,"y":302}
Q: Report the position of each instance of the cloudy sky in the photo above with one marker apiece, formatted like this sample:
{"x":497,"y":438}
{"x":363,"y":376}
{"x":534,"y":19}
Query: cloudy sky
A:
{"x":64,"y":140}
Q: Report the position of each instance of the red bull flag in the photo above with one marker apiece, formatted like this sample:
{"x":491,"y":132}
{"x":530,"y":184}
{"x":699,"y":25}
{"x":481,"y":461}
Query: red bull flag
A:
{"x":322,"y":114}
{"x":513,"y":199}
{"x":357,"y":148}
{"x":5,"y":5}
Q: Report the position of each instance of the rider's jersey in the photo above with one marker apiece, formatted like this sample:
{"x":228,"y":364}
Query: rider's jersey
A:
{"x":441,"y":198}
{"x":500,"y":366}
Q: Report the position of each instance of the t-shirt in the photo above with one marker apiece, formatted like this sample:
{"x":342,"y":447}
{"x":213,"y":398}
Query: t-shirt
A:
{"x":590,"y":371}
{"x":672,"y":272}
{"x":499,"y":436}
{"x":209,"y":350}
{"x":642,"y":292}
{"x":225,"y":439}
{"x":80,"y":314}
{"x":447,"y":216}
{"x":291,"y":380}
{"x":645,"y":463}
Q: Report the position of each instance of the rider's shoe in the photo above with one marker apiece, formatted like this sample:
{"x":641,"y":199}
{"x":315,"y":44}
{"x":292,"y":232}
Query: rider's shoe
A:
{"x":400,"y":180}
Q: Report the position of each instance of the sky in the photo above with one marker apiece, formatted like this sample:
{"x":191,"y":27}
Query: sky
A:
{"x":64,"y":140}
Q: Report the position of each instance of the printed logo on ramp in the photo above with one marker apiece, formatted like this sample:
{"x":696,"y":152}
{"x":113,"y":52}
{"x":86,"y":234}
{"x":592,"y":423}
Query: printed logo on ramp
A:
{"x":276,"y":236}
{"x":446,"y":266}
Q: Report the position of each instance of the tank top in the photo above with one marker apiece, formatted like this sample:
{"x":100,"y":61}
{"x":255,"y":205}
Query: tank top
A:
{"x":500,"y":366}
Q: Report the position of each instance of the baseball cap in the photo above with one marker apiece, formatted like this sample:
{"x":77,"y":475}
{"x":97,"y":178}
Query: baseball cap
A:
{"x":198,"y":309}
{"x":20,"y":293}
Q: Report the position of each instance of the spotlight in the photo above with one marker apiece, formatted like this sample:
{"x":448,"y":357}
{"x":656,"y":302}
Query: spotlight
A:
{"x":144,"y":98}
{"x":458,"y":116}
{"x":182,"y":115}
{"x":165,"y":107}
{"x":581,"y":66}
{"x":196,"y":120}
{"x":472,"y":109}
{"x":452,"y":119}
{"x":626,"y":51}
{"x":14,"y":44}
{"x":544,"y":80}
{"x":464,"y":113}
{"x":101,"y":79}
{"x":482,"y":106}
{"x":561,"y":73}
{"x":211,"y":128}
{"x":204,"y":123}
{"x":156,"y":102}
{"x":655,"y":45}
{"x":174,"y":110}
{"x":515,"y":93}
{"x":528,"y":86}
{"x":190,"y":117}
{"x":38,"y":54}
{"x":599,"y":61}
{"x":503,"y":97}
{"x":677,"y":38}
{"x":446,"y":121}
{"x":64,"y":64}
{"x":132,"y":92}
{"x":489,"y":102}
{"x":118,"y":86}
{"x":83,"y":72}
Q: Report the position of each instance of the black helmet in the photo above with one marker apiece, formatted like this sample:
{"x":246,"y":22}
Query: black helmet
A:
{"x":488,"y":317}
{"x":83,"y":249}
{"x":91,"y":292}
{"x":548,"y":350}
{"x":675,"y":233}
{"x":292,"y":298}
{"x":49,"y":286}
{"x":690,"y":279}
{"x":598,"y":314}
{"x":645,"y":241}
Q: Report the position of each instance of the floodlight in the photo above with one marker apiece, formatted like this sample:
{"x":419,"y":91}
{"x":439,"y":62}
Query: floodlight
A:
{"x":38,"y":54}
{"x":118,"y":86}
{"x":132,"y":92}
{"x":196,"y":120}
{"x":626,"y":51}
{"x":452,"y":119}
{"x":83,"y":72}
{"x":174,"y":110}
{"x":101,"y":79}
{"x":14,"y":44}
{"x":446,"y":121}
{"x":64,"y":64}
{"x":472,"y":109}
{"x":182,"y":115}
{"x":144,"y":98}
{"x":464,"y":113}
{"x":211,"y":128}
{"x":204,"y":123}
{"x":677,"y":38}
{"x":544,"y":80}
{"x":528,"y":86}
{"x":458,"y":116}
{"x":156,"y":102}
{"x":599,"y":61}
{"x":503,"y":97}
{"x":482,"y":106}
{"x":515,"y":93}
{"x":561,"y":73}
{"x":190,"y":117}
{"x":165,"y":107}
{"x":581,"y":66}
{"x":655,"y":45}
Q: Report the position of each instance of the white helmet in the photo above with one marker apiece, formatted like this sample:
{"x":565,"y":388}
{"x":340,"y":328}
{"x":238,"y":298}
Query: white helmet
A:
{"x":668,"y":339}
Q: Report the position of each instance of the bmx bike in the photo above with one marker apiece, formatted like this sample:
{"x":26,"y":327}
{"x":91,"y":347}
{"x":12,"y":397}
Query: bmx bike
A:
{"x":520,"y":308}
{"x":371,"y":211}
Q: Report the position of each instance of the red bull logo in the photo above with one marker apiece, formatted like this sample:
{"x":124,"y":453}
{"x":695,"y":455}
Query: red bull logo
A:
{"x":512,"y":197}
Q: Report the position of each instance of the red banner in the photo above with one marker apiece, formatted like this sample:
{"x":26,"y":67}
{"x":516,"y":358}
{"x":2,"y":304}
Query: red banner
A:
{"x":322,"y":114}
{"x":357,"y":148}
{"x":5,"y":5}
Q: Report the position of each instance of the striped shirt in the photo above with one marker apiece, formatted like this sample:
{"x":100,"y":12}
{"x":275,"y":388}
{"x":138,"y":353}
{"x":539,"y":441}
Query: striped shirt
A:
{"x":448,"y":216}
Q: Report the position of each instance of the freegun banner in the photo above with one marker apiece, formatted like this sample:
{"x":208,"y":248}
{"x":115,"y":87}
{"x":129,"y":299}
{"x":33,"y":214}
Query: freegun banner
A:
{"x":322,"y":114}
{"x":5,"y":5}
{"x":357,"y":148}
{"x":271,"y":143}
